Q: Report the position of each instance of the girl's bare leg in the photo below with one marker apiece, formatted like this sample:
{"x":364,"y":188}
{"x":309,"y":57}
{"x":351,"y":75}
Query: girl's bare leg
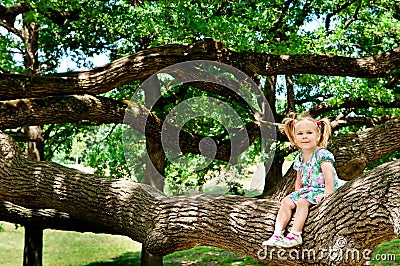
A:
{"x":284,"y":214}
{"x":301,"y":214}
{"x":282,"y":219}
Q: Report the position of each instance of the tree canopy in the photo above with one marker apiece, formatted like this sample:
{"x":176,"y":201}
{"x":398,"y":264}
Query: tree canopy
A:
{"x":336,"y":59}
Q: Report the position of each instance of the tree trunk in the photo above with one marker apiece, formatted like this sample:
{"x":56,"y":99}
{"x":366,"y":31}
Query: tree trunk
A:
{"x":274,"y":175}
{"x":155,"y":161}
{"x":35,"y":151}
{"x":363,"y":212}
{"x":148,"y":259}
{"x":273,"y":169}
{"x":33,"y":245}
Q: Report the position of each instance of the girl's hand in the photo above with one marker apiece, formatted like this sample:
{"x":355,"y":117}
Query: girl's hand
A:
{"x":321,"y":197}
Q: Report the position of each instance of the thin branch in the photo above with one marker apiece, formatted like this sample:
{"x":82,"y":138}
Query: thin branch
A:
{"x":10,"y":29}
{"x":8,"y":16}
{"x":291,"y":107}
{"x":109,"y":133}
{"x":351,"y":103}
{"x":278,"y":23}
{"x":337,"y":10}
{"x":360,"y":121}
{"x":59,"y":143}
{"x":354,"y":17}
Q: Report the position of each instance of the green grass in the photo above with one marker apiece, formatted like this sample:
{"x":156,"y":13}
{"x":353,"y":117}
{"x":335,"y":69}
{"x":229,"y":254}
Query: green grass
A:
{"x":11,"y":245}
{"x":78,"y":249}
{"x":66,"y":248}
{"x":204,"y":256}
{"x":71,"y":248}
{"x":198,"y":256}
{"x":387,"y":253}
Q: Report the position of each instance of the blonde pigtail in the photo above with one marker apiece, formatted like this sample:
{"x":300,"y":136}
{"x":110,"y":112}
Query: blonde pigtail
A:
{"x":289,"y":129}
{"x":326,"y":131}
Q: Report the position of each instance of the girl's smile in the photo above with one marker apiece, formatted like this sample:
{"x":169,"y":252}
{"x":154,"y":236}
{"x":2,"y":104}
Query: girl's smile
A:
{"x":306,"y":135}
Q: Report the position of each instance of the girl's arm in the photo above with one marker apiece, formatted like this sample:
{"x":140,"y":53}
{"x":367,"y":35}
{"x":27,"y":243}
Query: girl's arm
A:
{"x":297,"y":183}
{"x":327,"y":171}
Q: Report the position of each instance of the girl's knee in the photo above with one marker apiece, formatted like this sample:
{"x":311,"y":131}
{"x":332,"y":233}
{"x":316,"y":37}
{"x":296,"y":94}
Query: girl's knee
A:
{"x":288,"y":203}
{"x":303,"y":203}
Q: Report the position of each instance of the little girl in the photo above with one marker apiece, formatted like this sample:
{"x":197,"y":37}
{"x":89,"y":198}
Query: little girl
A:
{"x":316,"y":177}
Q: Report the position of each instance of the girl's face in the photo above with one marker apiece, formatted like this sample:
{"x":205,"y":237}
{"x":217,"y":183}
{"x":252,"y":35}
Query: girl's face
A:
{"x":306,"y":135}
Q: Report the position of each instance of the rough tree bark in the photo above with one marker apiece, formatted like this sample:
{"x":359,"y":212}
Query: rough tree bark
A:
{"x":389,"y":131}
{"x":167,"y":224}
{"x":49,"y":219}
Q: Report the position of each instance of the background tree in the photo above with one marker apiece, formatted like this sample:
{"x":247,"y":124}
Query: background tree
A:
{"x":333,"y":59}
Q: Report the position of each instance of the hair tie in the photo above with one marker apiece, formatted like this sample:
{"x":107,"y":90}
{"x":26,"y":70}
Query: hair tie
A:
{"x":319,"y":123}
{"x":293,"y":122}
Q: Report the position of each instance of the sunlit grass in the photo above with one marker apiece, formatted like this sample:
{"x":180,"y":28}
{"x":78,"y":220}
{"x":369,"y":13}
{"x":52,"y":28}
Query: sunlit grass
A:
{"x":11,"y":245}
{"x":387,"y":253}
{"x":65,"y":248}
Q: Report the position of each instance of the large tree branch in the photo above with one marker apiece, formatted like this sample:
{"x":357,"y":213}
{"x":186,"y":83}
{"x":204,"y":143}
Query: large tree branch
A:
{"x":79,"y":108}
{"x":66,"y":109}
{"x":147,"y":62}
{"x":364,"y":212}
{"x":48,"y":219}
{"x":323,"y":107}
{"x":8,"y":15}
{"x":369,"y":122}
{"x":357,"y":150}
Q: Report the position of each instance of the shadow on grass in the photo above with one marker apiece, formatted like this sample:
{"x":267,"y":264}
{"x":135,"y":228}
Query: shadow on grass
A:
{"x":126,"y":259}
{"x":198,"y":256}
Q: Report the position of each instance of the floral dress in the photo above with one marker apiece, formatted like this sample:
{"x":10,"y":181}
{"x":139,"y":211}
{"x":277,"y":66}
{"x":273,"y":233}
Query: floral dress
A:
{"x":312,"y":179}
